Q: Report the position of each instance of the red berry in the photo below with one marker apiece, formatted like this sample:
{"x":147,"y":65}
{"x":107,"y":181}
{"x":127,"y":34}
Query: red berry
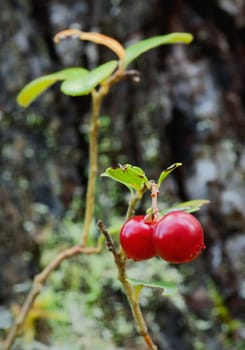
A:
{"x":178,"y":237}
{"x":136,"y":238}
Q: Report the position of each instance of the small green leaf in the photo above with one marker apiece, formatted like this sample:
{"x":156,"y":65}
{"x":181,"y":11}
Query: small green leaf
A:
{"x":189,"y":206}
{"x":77,"y":87}
{"x":166,"y":172}
{"x":167,"y":287}
{"x":131,"y":176}
{"x":135,"y":50}
{"x":36,"y":87}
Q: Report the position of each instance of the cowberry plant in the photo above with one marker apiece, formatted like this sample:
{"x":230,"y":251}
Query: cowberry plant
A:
{"x":174,"y":235}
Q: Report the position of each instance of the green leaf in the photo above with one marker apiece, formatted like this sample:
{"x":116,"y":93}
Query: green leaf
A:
{"x":167,"y":287}
{"x":77,"y":87}
{"x":36,"y":87}
{"x":135,"y":50}
{"x":189,"y":206}
{"x":166,"y":172}
{"x":131,"y":176}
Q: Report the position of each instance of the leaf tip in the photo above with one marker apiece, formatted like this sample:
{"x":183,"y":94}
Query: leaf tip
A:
{"x":21,"y":101}
{"x":174,"y":166}
{"x":181,"y":38}
{"x":188,"y":38}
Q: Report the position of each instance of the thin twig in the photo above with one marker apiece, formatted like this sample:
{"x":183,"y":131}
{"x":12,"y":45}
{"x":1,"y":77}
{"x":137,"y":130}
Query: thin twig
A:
{"x":130,"y":291}
{"x":39,"y":280}
{"x":131,"y":207}
{"x":97,"y":98}
{"x":134,"y":200}
{"x":154,"y":195}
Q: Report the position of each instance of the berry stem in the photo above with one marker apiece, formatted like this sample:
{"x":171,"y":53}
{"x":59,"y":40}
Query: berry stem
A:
{"x":154,"y":195}
{"x":132,"y":204}
{"x":135,"y":198}
{"x":153,"y":214}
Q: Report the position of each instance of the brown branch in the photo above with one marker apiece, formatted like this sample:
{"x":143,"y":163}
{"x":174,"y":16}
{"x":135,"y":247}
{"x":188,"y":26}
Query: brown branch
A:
{"x":97,"y":98}
{"x":130,"y":291}
{"x":38,"y":282}
{"x":96,"y":38}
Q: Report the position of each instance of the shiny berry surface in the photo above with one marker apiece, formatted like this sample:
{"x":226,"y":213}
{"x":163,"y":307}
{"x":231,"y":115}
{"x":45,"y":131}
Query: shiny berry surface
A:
{"x":178,"y":237}
{"x":136,"y":238}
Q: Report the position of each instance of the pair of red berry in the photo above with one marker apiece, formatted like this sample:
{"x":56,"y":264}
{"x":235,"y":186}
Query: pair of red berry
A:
{"x":177,"y":238}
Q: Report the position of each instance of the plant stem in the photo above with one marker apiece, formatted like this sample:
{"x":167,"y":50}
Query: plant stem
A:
{"x":97,"y":98}
{"x":133,"y":300}
{"x":154,"y":195}
{"x":39,"y":280}
{"x":132,"y":204}
{"x":131,"y":292}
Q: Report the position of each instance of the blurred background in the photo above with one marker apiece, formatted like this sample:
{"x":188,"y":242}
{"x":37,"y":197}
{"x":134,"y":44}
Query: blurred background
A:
{"x":188,"y":107}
